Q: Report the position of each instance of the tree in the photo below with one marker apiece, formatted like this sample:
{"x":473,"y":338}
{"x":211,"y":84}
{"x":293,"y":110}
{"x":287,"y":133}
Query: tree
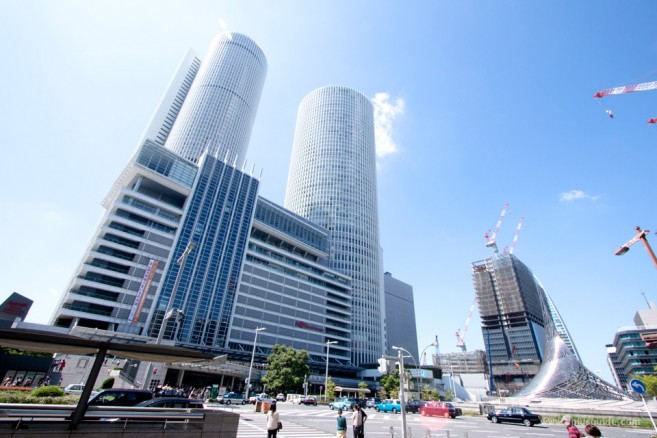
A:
{"x":107,"y":383}
{"x":286,"y":369}
{"x":650,"y":380}
{"x":390,"y":383}
{"x":448,"y":395}
{"x":330,"y":390}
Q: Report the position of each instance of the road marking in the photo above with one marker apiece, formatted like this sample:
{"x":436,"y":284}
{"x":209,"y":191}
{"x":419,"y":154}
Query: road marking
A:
{"x":247,"y":429}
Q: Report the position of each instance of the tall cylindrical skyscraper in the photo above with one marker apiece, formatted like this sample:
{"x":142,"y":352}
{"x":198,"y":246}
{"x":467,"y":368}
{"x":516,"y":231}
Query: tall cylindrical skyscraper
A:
{"x":332,"y":182}
{"x":220,"y":108}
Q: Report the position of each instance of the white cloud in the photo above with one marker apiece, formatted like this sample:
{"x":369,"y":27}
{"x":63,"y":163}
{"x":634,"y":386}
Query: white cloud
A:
{"x":385,"y":112}
{"x":576,"y":195}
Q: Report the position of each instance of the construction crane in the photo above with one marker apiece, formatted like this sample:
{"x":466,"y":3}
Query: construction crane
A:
{"x":640,"y":235}
{"x":646,"y":86}
{"x":490,"y":240}
{"x":515,"y":238}
{"x":460,"y":338}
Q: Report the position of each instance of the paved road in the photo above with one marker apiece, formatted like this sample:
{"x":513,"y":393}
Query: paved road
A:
{"x":319,"y":422}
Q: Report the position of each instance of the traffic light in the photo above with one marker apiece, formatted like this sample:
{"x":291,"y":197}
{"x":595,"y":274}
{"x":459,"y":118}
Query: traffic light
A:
{"x":383,"y":365}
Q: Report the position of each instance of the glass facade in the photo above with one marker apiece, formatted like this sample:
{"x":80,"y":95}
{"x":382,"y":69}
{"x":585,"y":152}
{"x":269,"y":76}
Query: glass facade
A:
{"x":217,"y":219}
{"x":286,"y":288}
{"x":220,"y":107}
{"x":332,"y":182}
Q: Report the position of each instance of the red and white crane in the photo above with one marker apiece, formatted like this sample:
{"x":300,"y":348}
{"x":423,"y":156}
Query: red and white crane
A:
{"x":460,"y":338}
{"x":645,"y":86}
{"x":490,"y":240}
{"x":515,"y":238}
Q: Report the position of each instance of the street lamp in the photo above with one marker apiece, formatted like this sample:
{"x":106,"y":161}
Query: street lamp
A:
{"x":255,"y":338}
{"x":402,"y":376}
{"x":433,"y":344}
{"x":170,"y":311}
{"x":328,"y":348}
{"x":640,"y":235}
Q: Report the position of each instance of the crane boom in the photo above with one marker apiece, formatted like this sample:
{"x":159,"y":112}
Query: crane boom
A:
{"x":491,"y":239}
{"x":626,"y":89}
{"x":515,"y":238}
{"x":460,"y":338}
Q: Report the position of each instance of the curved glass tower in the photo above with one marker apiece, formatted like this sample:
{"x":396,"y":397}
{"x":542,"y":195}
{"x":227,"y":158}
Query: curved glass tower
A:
{"x":221,"y":105}
{"x":332,"y":182}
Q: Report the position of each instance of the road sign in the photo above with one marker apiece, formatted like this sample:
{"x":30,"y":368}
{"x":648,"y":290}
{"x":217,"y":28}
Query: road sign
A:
{"x":638,"y":386}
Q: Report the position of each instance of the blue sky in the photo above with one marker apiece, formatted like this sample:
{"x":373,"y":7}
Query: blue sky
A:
{"x":493,"y":105}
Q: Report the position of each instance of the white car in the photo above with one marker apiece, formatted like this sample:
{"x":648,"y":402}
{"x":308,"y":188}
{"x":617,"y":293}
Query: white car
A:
{"x":280,"y":397}
{"x":265,"y":398}
{"x":74,"y":389}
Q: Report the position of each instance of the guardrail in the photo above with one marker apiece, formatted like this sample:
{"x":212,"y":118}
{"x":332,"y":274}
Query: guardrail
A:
{"x":123,"y":420}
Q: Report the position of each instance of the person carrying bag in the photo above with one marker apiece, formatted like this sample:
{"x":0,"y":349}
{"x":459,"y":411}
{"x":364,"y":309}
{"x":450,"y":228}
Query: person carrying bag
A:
{"x":273,"y":422}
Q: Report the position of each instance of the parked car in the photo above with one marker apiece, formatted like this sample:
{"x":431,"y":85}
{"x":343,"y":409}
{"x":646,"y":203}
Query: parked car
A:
{"x":343,"y":403}
{"x":172,"y":402}
{"x":232,"y":398}
{"x":280,"y":397}
{"x":308,"y":401}
{"x":120,"y":397}
{"x":413,"y":406}
{"x":388,"y":405}
{"x":440,"y":409}
{"x":371,"y":402}
{"x":515,"y":415}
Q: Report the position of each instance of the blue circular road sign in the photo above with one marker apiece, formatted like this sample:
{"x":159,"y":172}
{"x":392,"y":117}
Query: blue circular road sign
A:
{"x":638,"y":386}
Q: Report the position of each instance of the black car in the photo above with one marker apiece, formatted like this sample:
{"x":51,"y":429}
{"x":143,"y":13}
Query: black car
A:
{"x":515,"y":415}
{"x":171,"y":402}
{"x":120,"y":397}
{"x":413,"y":406}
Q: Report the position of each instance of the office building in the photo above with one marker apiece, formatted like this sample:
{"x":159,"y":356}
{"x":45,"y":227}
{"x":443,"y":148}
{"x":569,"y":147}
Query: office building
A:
{"x":287,"y":287}
{"x":207,"y":107}
{"x":400,"y":317}
{"x":332,"y":182}
{"x":634,"y":349}
{"x":219,"y":110}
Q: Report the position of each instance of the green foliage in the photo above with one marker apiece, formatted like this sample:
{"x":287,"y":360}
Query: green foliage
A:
{"x":382,"y":394}
{"x":48,"y":391}
{"x":5,"y":350}
{"x":330,"y":390}
{"x":107,"y":383}
{"x":287,"y":369}
{"x":390,"y":383}
{"x":362,"y":385}
{"x":650,"y":381}
{"x":23,"y":397}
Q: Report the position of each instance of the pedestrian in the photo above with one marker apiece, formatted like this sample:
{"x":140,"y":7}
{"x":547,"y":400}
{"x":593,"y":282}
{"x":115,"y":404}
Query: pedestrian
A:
{"x":592,"y":429}
{"x":62,"y":364}
{"x":573,"y":431}
{"x":358,"y":420}
{"x":273,"y":422}
{"x":342,"y":425}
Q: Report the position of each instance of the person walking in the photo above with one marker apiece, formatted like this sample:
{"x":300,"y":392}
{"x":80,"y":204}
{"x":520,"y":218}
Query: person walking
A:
{"x":273,"y":422}
{"x":358,"y":418}
{"x":573,"y":431}
{"x":342,"y":425}
{"x":592,"y":429}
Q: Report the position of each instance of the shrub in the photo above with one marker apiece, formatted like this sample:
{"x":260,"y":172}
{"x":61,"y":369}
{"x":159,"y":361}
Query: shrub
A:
{"x":48,"y":391}
{"x":107,"y":383}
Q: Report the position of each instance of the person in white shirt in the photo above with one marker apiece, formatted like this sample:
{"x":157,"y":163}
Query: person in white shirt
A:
{"x":358,"y":418}
{"x":273,"y":420}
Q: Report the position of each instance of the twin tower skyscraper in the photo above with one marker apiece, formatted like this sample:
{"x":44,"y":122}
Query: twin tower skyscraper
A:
{"x":197,"y":141}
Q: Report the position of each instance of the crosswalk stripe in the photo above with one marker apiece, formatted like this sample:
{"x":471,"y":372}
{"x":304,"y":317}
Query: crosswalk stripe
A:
{"x":247,"y":429}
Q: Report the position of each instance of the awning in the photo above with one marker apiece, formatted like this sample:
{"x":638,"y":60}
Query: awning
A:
{"x":345,"y":389}
{"x":52,"y":342}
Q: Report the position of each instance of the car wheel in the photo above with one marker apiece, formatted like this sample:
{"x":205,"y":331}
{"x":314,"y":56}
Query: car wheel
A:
{"x":243,"y":402}
{"x":331,"y":406}
{"x":527,"y":423}
{"x":394,"y":410}
{"x":376,"y":409}
{"x":493,"y":419}
{"x":453,"y":416}
{"x":227,"y":402}
{"x":446,"y":415}
{"x":423,"y":413}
